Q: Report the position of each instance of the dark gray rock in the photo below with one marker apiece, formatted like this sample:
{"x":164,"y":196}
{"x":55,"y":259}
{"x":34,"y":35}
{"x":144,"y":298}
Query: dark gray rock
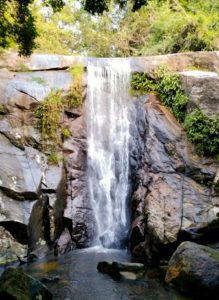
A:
{"x":195,"y":269}
{"x":39,"y":227}
{"x":172,"y":194}
{"x":202,"y":90}
{"x":130,"y":271}
{"x":78,"y":208}
{"x":64,"y":243}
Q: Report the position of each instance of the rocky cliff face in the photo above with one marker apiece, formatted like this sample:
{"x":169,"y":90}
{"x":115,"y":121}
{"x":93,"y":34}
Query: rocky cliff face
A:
{"x":175,"y":196}
{"x":32,"y":191}
{"x":43,"y":206}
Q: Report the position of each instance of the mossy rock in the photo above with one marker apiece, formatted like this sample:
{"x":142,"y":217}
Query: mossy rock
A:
{"x":194,"y":269}
{"x":16,"y":285}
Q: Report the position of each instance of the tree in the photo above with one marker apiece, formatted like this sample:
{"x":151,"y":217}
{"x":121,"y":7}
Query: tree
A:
{"x":18,"y":24}
{"x":96,"y":6}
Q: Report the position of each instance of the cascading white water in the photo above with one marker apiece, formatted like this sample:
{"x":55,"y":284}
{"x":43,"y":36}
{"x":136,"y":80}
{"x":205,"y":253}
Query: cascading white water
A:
{"x":107,"y":109}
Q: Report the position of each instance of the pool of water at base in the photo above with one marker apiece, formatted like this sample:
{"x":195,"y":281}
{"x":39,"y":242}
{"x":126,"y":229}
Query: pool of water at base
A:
{"x":76,"y":278}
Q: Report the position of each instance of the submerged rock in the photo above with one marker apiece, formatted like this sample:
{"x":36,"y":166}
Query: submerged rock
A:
{"x":130,"y":271}
{"x":16,"y":285}
{"x":194,"y":269}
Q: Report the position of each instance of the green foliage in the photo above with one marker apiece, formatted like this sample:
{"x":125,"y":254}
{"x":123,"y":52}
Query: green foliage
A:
{"x":3,"y":109}
{"x":99,"y":6}
{"x":142,"y":83}
{"x":62,"y":41}
{"x":66,"y":133}
{"x":39,"y":80}
{"x":167,"y":85}
{"x":177,"y":26}
{"x":21,"y":67}
{"x":18,"y":24}
{"x":203,"y":131}
{"x":96,"y":6}
{"x":77,"y":70}
{"x":53,"y":158}
{"x":119,"y":27}
{"x":49,"y":112}
{"x":56,"y":5}
{"x":74,"y":97}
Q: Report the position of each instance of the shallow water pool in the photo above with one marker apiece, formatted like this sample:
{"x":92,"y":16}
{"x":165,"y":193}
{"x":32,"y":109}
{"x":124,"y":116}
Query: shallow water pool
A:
{"x":80,"y":280}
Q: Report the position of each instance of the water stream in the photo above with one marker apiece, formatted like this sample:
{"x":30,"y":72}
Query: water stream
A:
{"x":108,"y":134}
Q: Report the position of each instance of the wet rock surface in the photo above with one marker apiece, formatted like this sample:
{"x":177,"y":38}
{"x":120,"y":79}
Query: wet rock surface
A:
{"x":115,"y":269}
{"x":194,"y":269}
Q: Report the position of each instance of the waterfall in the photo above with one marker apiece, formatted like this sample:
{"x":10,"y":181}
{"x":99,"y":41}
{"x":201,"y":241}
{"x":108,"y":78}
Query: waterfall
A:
{"x":107,"y":110}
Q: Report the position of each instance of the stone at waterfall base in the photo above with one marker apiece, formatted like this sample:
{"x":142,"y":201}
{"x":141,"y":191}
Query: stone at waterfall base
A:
{"x":16,"y":285}
{"x":194,"y":269}
{"x":131,"y":271}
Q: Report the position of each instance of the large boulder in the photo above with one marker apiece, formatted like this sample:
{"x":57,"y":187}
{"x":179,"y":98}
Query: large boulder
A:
{"x":202,"y":89}
{"x":194,"y":269}
{"x":16,"y":285}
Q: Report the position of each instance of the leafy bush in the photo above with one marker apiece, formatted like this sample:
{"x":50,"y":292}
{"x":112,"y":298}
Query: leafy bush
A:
{"x":203,"y":131}
{"x":167,"y":85}
{"x":142,"y":83}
